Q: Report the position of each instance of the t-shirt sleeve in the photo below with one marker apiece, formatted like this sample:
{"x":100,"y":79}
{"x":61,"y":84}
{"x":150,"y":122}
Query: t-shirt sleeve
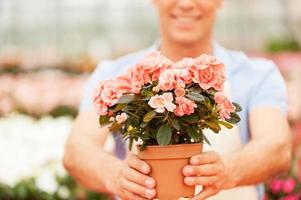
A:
{"x":270,"y":90}
{"x":100,"y":73}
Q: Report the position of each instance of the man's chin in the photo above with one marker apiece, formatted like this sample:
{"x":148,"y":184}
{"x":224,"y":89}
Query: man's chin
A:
{"x":186,"y":40}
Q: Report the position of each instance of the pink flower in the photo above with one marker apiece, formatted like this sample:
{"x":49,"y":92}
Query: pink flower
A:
{"x":289,"y":185}
{"x":152,"y":66}
{"x":160,"y":102}
{"x":207,"y":71}
{"x":170,"y":78}
{"x":185,"y":63}
{"x":276,"y":186}
{"x":224,"y":105}
{"x":185,"y":106}
{"x":121,"y":118}
{"x":180,"y":91}
{"x":131,"y":82}
{"x":107,"y":95}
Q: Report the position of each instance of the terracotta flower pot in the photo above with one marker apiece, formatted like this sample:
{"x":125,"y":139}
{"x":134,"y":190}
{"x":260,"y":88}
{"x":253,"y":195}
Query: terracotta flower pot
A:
{"x":167,"y":163}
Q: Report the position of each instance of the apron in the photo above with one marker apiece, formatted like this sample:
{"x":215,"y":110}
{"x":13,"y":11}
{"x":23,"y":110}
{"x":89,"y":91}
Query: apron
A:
{"x":226,"y":142}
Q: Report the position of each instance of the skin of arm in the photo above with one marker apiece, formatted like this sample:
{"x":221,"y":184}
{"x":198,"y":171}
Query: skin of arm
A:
{"x":94,"y":168}
{"x":267,"y":153}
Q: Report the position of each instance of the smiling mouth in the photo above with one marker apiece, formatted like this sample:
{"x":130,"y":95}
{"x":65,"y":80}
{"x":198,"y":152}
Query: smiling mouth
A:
{"x":186,"y":19}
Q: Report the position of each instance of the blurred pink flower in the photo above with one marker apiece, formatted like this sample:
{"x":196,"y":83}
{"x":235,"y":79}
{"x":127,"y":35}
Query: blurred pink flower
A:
{"x":180,"y":91}
{"x":171,"y":78}
{"x":276,"y":186}
{"x":289,"y":185}
{"x":130,"y":82}
{"x":185,"y":106}
{"x":106,"y":96}
{"x":121,"y":118}
{"x":208,"y":72}
{"x":224,"y":105}
{"x":47,"y":91}
{"x":160,"y":102}
{"x":152,"y":66}
{"x":185,"y":63}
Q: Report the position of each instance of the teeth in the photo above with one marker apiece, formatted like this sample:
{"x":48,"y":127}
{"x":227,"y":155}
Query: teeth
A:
{"x":185,"y":19}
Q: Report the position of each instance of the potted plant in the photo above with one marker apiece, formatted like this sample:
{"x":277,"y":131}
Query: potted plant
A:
{"x":164,"y":107}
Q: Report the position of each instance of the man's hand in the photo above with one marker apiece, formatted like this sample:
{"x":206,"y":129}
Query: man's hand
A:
{"x":210,"y":171}
{"x":97,"y":170}
{"x":132,"y":182}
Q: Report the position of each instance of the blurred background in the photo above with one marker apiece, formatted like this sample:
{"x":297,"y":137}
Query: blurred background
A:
{"x":49,"y":48}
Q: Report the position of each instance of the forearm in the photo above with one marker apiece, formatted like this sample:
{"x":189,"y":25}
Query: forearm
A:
{"x":257,"y":161}
{"x":82,"y":161}
{"x":85,"y":158}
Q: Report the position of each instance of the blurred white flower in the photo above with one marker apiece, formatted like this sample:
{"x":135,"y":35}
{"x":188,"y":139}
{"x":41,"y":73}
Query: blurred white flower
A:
{"x":63,"y":192}
{"x":46,"y":181}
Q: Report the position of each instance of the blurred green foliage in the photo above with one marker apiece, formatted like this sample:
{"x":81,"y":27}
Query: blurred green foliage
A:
{"x":279,"y":45}
{"x":27,"y":189}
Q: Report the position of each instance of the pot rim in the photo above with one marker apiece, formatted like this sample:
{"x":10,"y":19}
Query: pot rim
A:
{"x":156,"y":152}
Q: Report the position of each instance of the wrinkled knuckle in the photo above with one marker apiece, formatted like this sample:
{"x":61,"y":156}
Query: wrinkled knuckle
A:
{"x":218,"y":168}
{"x":215,"y":187}
{"x":211,"y":181}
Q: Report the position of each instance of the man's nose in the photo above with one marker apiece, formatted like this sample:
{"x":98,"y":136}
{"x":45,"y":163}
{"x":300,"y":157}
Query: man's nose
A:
{"x":186,"y":4}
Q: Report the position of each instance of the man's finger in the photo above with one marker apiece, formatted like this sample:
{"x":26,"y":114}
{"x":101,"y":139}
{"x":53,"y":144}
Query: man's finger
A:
{"x":201,"y":170}
{"x":201,"y":180}
{"x":130,"y":196}
{"x":139,"y":178}
{"x":207,"y":192}
{"x":209,"y":157}
{"x":137,"y":189}
{"x":138,"y":164}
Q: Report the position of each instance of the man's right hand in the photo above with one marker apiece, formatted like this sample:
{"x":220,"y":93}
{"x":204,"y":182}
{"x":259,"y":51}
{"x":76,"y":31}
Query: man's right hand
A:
{"x":132,"y":181}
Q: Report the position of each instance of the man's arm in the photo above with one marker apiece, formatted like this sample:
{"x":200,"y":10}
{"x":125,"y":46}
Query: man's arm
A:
{"x":84,"y":151}
{"x":268,"y":153}
{"x":86,"y":160}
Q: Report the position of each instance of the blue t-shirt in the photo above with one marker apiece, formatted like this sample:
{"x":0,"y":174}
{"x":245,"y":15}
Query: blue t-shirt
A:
{"x":254,"y":82}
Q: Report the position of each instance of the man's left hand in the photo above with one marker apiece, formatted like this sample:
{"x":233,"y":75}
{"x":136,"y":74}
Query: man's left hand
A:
{"x":209,"y":170}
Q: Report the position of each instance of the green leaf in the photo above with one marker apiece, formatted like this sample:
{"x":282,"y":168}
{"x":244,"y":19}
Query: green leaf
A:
{"x":196,"y":90}
{"x":213,"y":126}
{"x":147,"y":93}
{"x":131,"y":143}
{"x":191,"y":118}
{"x":237,"y":106}
{"x":207,"y":103}
{"x":103,"y":120}
{"x":149,"y":116}
{"x":164,"y":135}
{"x":225,"y":124}
{"x":175,"y":124}
{"x":196,"y":97}
{"x":234,"y":118}
{"x":119,"y":107}
{"x":126,"y":99}
{"x":115,"y":127}
{"x":143,"y":124}
{"x":194,"y":134}
{"x":206,"y":139}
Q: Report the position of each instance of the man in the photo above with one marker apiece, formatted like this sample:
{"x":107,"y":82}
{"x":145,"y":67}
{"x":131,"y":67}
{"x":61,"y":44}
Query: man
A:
{"x":186,"y":28}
